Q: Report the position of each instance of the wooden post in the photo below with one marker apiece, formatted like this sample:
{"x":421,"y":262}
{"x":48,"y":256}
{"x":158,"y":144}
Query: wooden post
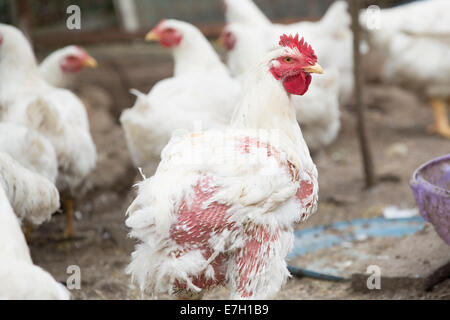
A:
{"x":128,"y":15}
{"x":355,"y":6}
{"x":24,"y":17}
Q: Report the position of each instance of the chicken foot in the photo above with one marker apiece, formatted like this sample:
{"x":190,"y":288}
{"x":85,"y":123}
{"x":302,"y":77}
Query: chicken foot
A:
{"x":68,"y":207}
{"x":27,"y":230}
{"x":440,"y":125}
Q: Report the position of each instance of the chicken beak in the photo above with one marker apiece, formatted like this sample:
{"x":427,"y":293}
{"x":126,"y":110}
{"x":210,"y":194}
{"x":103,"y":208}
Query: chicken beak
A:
{"x":152,"y":36}
{"x":90,"y":63}
{"x":316,"y":68}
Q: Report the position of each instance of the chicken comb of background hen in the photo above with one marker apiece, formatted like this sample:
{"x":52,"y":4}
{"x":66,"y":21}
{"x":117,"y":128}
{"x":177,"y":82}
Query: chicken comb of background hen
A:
{"x":305,"y":49}
{"x":227,"y":39}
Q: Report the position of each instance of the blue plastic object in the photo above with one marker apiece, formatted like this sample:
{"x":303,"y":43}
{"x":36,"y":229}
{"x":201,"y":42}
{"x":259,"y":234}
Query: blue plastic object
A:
{"x":325,"y":236}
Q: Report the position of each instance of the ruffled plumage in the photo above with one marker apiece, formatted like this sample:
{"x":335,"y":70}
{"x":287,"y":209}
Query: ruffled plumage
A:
{"x":221,"y":206}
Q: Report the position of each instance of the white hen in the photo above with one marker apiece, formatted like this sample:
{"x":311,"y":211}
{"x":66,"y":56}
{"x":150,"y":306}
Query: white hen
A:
{"x":200,"y":95}
{"x":221,"y":206}
{"x":62,"y":67}
{"x":317,"y":111}
{"x":414,"y":41}
{"x":57,"y":114}
{"x":331,"y":36}
{"x":19,"y":277}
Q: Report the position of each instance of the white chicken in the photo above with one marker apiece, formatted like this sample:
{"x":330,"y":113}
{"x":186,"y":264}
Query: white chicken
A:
{"x":62,"y":67}
{"x":57,"y":114}
{"x":412,"y":34}
{"x":317,"y":111}
{"x":331,"y":36}
{"x":19,"y":277}
{"x":222,"y":204}
{"x":200,"y":95}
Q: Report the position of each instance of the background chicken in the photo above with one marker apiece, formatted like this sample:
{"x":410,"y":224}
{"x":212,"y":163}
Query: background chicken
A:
{"x":56,"y":113}
{"x":412,"y":33}
{"x":200,"y":94}
{"x":62,"y":67}
{"x":221,"y":206}
{"x":19,"y":277}
{"x":317,"y":111}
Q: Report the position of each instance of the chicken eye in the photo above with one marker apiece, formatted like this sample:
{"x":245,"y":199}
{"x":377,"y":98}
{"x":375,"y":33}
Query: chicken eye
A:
{"x":288,"y":60}
{"x":170,"y":30}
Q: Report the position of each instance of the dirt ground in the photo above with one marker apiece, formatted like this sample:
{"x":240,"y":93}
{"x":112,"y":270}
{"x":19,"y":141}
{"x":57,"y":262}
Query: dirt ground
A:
{"x":397,"y":122}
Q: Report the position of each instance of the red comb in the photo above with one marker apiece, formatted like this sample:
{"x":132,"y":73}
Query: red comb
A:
{"x":159,"y":24}
{"x":301,"y":45}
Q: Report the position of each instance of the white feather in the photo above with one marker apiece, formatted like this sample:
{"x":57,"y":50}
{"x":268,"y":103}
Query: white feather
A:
{"x":29,"y":148}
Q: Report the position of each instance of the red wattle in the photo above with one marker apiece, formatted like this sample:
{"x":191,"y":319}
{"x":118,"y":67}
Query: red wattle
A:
{"x":298,"y":84}
{"x":170,"y":40}
{"x":72,"y":65}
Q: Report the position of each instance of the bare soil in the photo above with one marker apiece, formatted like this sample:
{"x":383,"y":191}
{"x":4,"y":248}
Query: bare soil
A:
{"x":397,"y":121}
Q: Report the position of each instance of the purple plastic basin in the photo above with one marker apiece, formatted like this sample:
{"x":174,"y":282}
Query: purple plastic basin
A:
{"x":431,"y":186}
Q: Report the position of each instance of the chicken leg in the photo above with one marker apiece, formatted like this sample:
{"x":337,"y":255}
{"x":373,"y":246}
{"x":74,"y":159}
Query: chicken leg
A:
{"x":68,"y":206}
{"x":27,"y":230}
{"x":440,"y":125}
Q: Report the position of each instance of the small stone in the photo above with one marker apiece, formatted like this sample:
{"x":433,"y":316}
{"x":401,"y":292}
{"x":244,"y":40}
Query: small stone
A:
{"x":78,"y":215}
{"x":397,"y":150}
